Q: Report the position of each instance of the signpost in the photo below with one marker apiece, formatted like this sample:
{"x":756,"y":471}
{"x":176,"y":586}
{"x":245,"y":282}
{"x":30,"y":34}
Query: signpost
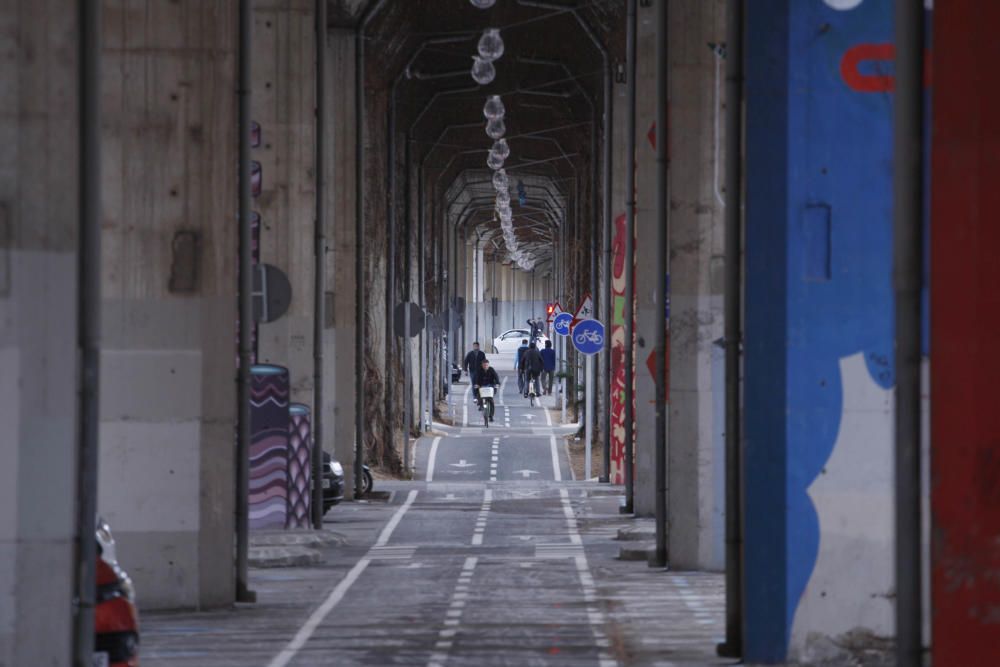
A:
{"x":408,"y":321}
{"x":584,"y":311}
{"x":588,"y":338}
{"x":560,"y":326}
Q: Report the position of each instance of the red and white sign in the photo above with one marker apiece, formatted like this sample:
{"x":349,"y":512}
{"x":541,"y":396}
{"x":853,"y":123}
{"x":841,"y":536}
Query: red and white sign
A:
{"x":556,"y":309}
{"x":584,"y":312}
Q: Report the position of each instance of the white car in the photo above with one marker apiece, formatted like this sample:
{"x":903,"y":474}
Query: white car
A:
{"x":510,"y":340}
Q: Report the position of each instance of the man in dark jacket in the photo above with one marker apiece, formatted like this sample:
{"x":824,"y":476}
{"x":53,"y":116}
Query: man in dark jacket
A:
{"x":519,"y":365}
{"x":473,"y":360}
{"x":533,"y":367}
{"x":549,"y":358}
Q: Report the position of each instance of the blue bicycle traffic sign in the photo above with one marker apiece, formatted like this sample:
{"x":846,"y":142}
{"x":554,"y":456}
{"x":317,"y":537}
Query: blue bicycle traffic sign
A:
{"x":588,"y":336}
{"x":561,"y":323}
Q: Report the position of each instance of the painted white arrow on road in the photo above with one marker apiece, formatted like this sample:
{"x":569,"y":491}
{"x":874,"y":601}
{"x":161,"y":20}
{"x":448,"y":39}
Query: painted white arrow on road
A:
{"x":450,"y":496}
{"x":462,"y":464}
{"x":526,"y":473}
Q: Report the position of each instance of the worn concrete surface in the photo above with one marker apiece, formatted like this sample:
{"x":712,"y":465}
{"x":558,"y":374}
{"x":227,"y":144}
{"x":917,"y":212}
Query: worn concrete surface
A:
{"x":457,"y":569}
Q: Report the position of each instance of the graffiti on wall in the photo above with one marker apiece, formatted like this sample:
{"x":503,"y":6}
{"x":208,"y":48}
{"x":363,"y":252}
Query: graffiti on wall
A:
{"x":618,"y":354}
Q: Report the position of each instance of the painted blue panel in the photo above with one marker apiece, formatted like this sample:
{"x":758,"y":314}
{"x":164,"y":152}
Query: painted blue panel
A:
{"x":810,"y":138}
{"x":816,"y":241}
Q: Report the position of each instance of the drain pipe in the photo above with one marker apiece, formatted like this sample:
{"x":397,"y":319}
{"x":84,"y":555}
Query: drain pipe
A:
{"x":630,"y":47}
{"x":659,"y":293}
{"x":319,"y":289}
{"x":407,"y":283}
{"x":908,"y":117}
{"x":733,"y":645}
{"x":243,"y":592}
{"x":88,"y":326}
{"x":360,"y":337}
{"x":390,"y":269}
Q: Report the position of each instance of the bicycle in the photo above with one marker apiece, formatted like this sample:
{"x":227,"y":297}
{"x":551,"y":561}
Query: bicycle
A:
{"x":589,"y":337}
{"x":533,"y":388}
{"x":486,"y":398}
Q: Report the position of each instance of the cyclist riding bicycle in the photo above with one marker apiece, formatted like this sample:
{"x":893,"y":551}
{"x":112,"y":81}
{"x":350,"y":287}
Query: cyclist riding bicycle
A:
{"x":533,"y":367}
{"x":485,"y":377}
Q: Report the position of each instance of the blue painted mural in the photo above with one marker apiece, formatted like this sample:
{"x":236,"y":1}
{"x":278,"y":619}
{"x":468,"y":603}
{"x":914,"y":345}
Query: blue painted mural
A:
{"x":819,"y":311}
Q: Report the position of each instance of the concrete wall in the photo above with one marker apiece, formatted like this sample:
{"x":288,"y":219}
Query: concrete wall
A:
{"x":168,"y":392}
{"x":38,"y":263}
{"x":284,"y":103}
{"x":695,"y":468}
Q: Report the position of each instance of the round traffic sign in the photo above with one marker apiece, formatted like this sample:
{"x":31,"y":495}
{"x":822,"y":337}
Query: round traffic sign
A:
{"x":588,"y":336}
{"x":561,"y":323}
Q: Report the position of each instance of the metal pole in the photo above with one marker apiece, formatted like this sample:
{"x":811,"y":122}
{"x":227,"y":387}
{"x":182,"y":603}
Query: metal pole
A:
{"x":589,"y":428}
{"x":477,"y":288}
{"x":319,"y":303}
{"x":630,"y":40}
{"x":606,"y":308}
{"x":908,"y":117}
{"x":391,"y":391}
{"x":659,"y":279}
{"x":406,"y":342}
{"x":733,"y":645}
{"x":88,"y":326}
{"x":243,"y":592}
{"x":424,"y":370}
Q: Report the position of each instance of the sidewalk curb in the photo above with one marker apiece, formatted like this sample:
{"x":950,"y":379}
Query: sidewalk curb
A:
{"x":274,"y":556}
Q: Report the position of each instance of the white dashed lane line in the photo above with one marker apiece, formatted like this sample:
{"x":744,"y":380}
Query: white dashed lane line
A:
{"x":477,"y":536}
{"x":494,"y":459}
{"x":453,"y":617}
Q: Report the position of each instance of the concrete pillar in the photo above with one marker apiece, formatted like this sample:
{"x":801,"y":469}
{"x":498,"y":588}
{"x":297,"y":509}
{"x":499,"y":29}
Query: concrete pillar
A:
{"x":819,"y":332}
{"x":341,"y":326}
{"x":645,"y":260}
{"x":965,"y":331}
{"x":167,"y":372}
{"x":619,"y":197}
{"x":696,"y":456}
{"x":284,"y":103}
{"x":38,"y":283}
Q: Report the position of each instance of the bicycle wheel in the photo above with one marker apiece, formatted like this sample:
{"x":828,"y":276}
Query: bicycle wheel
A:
{"x":487,"y":411}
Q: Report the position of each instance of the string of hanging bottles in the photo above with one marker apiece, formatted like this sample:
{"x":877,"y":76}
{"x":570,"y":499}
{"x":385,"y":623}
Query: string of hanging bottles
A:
{"x":490,"y":49}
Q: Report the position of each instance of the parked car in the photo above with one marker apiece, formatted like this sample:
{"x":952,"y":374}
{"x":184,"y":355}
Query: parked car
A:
{"x":510,"y":340}
{"x":334,"y":480}
{"x":116,"y":619}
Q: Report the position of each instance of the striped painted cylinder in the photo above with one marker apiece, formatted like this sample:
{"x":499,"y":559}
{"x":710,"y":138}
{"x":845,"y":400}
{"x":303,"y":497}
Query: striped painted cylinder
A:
{"x":299,"y":468}
{"x":269,"y":446}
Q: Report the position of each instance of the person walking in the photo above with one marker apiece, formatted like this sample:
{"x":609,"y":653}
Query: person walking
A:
{"x":473,"y":360}
{"x":549,"y":370}
{"x":533,"y":367}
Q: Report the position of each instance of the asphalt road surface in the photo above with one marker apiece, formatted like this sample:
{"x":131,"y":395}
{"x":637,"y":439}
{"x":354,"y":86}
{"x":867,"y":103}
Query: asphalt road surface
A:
{"x":479,"y":561}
